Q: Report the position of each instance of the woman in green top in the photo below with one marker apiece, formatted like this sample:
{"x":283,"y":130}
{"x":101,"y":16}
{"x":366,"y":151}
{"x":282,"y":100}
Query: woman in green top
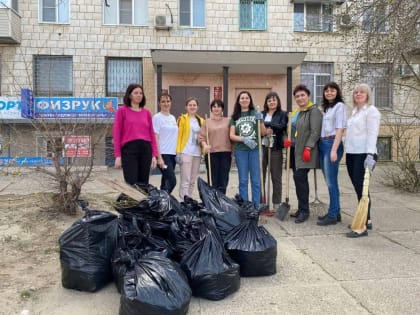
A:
{"x":244,"y":133}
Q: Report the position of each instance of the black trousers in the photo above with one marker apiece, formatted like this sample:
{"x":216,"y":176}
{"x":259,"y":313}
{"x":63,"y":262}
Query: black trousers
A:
{"x":300,"y":177}
{"x":168,"y":181}
{"x":220,"y":168}
{"x":136,"y":158}
{"x":356,"y":171}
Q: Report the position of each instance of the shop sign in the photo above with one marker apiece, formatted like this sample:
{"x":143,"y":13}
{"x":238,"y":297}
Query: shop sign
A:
{"x":10,"y":108}
{"x":27,"y":161}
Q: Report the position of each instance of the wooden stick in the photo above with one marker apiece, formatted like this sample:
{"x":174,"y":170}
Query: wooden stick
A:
{"x":208,"y":153}
{"x":260,"y":158}
{"x":123,"y":188}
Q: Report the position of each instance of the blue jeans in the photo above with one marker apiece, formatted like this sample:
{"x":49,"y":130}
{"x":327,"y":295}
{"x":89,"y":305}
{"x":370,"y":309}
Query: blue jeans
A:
{"x":330,"y":171}
{"x":248,"y":165}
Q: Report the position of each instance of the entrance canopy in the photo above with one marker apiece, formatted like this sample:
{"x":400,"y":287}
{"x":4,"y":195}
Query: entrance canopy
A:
{"x":187,"y":61}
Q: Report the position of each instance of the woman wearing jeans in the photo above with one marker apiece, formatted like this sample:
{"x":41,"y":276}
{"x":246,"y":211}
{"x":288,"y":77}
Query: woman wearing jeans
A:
{"x":331,"y":148}
{"x":244,"y":132}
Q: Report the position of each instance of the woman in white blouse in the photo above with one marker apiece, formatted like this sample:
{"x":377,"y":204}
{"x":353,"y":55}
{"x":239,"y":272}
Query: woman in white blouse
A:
{"x":331,"y":147}
{"x":361,"y":137}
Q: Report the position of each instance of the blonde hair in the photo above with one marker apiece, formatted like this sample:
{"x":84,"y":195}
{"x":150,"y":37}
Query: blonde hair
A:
{"x":364,"y":88}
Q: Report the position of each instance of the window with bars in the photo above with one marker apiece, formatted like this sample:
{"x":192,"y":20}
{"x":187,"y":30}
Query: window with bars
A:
{"x":253,"y":15}
{"x":383,"y":146}
{"x":313,"y":17}
{"x":126,"y":12}
{"x":120,"y":72}
{"x":54,"y":11}
{"x":315,"y":75}
{"x":192,"y":13}
{"x":375,"y":18}
{"x":378,"y":76}
{"x":53,"y":75}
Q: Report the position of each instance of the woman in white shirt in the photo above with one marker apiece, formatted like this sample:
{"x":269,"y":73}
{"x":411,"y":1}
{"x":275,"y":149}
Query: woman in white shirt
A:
{"x":166,"y":131}
{"x":361,"y":137}
{"x":331,"y":148}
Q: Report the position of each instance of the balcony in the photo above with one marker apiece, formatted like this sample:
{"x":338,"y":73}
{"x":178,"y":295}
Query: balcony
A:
{"x":10,"y":30}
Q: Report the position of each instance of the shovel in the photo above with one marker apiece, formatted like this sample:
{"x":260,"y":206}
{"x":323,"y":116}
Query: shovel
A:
{"x":284,"y":208}
{"x":317,"y":206}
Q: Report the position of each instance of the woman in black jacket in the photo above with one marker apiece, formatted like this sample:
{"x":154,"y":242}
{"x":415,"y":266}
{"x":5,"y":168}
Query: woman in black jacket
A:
{"x":275,"y":120}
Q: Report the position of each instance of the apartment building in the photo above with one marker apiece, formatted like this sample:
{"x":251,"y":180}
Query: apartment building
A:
{"x":207,"y":49}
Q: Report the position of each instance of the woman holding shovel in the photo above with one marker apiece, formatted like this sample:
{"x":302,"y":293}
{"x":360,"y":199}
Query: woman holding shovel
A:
{"x":244,"y":133}
{"x":215,"y":140}
{"x":306,"y":130}
{"x":360,"y":145}
{"x":331,"y":148}
{"x":275,"y":121}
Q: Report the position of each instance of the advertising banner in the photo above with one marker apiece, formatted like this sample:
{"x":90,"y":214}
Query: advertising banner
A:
{"x":10,"y":108}
{"x":76,"y":146}
{"x":75,"y":107}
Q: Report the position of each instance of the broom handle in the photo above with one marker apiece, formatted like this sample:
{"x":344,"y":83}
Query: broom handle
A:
{"x":289,"y":137}
{"x":269,"y":176}
{"x":260,"y":156}
{"x":208,"y":154}
{"x":365,"y":191}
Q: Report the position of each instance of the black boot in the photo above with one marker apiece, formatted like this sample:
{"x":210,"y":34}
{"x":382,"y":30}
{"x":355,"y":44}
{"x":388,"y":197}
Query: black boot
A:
{"x":302,"y":217}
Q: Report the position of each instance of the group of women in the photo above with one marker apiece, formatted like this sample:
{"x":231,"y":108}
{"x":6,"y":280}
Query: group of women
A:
{"x":317,"y":133}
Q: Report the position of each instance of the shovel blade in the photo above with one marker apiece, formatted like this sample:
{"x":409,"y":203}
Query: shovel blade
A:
{"x":282,"y":211}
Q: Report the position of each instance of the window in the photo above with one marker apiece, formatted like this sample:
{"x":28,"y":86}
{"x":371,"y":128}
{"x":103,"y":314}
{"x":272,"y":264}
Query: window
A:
{"x":53,"y":75}
{"x":49,"y":146}
{"x":253,"y":15}
{"x":129,"y":12}
{"x":378,"y":76}
{"x":315,"y":76}
{"x":312,"y":17}
{"x":192,"y":13}
{"x":374,"y":18}
{"x":383,"y":145}
{"x":120,"y":73}
{"x":12,"y":4}
{"x":54,"y":11}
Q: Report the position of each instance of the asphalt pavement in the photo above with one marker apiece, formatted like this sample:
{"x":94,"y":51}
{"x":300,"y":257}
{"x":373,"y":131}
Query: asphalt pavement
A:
{"x":319,"y":270}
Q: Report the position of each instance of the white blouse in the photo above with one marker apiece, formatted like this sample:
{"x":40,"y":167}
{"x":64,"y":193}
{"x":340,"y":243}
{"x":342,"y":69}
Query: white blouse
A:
{"x":362,"y":130}
{"x":335,"y":118}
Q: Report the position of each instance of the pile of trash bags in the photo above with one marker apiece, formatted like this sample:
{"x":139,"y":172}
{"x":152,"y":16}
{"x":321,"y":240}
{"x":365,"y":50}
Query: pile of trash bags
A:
{"x":160,"y":252}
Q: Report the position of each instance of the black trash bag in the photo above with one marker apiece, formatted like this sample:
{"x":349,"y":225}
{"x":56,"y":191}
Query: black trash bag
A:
{"x":226,"y":212}
{"x":155,"y":286}
{"x":185,"y":231}
{"x":211,"y":272}
{"x":123,"y":260}
{"x":253,"y":248}
{"x":86,"y":249}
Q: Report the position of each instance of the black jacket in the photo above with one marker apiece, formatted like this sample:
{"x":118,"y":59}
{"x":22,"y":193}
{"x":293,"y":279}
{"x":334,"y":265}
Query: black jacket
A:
{"x":279,"y":125}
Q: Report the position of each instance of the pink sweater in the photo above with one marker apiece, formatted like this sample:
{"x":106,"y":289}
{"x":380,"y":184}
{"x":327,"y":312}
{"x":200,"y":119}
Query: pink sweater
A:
{"x":130,"y":125}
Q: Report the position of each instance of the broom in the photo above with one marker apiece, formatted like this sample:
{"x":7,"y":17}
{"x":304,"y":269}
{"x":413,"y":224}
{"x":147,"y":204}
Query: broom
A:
{"x":360,"y":217}
{"x":260,"y":160}
{"x":284,"y":208}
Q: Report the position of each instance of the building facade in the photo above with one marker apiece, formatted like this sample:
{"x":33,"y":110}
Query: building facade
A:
{"x":207,"y":49}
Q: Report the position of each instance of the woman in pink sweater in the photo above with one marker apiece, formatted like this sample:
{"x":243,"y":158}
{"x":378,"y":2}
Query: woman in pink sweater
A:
{"x":134,"y":139}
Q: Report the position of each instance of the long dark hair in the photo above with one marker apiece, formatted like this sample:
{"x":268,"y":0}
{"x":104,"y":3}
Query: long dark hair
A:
{"x":237,"y":107}
{"x":130,"y":88}
{"x":272,"y":95}
{"x":339,"y":97}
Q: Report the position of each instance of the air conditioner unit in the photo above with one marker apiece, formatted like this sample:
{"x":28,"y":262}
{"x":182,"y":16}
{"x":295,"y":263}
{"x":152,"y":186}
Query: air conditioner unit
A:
{"x":405,"y":70}
{"x":346,"y":21}
{"x":163,"y":22}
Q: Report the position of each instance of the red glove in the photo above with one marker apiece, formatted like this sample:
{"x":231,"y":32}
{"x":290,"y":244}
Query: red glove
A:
{"x":306,"y":156}
{"x":287,"y":143}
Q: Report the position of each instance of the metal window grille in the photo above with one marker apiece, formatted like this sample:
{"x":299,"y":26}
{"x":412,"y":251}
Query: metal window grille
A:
{"x":120,"y":73}
{"x":53,"y":75}
{"x":253,"y":14}
{"x":315,"y":76}
{"x":378,"y":76}
{"x":383,"y":146}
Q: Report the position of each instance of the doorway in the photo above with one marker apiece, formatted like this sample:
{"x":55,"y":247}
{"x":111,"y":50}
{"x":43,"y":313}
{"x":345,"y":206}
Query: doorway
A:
{"x":181,"y":93}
